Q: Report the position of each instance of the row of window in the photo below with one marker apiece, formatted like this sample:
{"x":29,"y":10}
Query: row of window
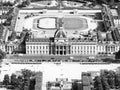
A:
{"x":37,"y":47}
{"x":10,"y":48}
{"x":37,"y":52}
{"x":101,"y":48}
{"x":110,"y":48}
{"x":84,"y":47}
{"x":75,"y":49}
{"x":84,"y":52}
{"x":117,"y":21}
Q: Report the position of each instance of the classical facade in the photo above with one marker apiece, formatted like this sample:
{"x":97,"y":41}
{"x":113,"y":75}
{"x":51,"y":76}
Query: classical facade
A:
{"x":108,"y":48}
{"x":60,"y":44}
{"x":69,"y":48}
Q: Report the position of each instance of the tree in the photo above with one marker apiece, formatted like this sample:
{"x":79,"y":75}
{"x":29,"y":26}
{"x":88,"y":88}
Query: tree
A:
{"x":32,"y":84}
{"x":26,"y":77}
{"x":35,"y":0}
{"x":105,"y":83}
{"x":28,"y":2}
{"x":111,"y":79}
{"x":27,"y":73}
{"x":25,"y":3}
{"x":20,"y":83}
{"x":108,"y":2}
{"x":74,"y":86}
{"x":117,"y":80}
{"x":13,"y":80}
{"x":117,"y":55}
{"x":6,"y":80}
{"x":98,"y":83}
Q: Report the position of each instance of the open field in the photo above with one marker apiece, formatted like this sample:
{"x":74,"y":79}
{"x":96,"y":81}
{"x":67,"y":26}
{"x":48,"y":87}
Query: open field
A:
{"x":70,"y":23}
{"x":75,"y":23}
{"x":47,"y":23}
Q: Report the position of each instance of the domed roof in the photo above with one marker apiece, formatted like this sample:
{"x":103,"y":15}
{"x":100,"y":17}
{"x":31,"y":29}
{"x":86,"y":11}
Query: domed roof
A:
{"x":60,"y":33}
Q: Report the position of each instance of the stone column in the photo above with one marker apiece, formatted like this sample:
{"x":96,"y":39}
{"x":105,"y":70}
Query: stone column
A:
{"x":67,"y":49}
{"x":55,"y":50}
{"x":110,"y":48}
{"x":63,"y":50}
{"x":51,"y":49}
{"x":58,"y":50}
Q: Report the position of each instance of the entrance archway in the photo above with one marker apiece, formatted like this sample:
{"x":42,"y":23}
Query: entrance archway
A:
{"x":62,"y":49}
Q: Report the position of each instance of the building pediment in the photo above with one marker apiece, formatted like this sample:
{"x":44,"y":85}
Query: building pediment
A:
{"x":61,"y":43}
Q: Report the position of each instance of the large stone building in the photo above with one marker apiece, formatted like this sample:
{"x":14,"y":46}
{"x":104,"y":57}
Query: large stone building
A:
{"x":65,"y":32}
{"x":61,"y":33}
{"x":71,"y":47}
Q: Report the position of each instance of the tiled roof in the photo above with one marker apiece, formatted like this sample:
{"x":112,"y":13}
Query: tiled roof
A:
{"x":39,"y":40}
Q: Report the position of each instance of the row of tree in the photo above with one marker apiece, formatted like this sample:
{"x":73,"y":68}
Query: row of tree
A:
{"x":25,"y":81}
{"x":107,"y":80}
{"x":27,"y":2}
{"x":7,"y":3}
